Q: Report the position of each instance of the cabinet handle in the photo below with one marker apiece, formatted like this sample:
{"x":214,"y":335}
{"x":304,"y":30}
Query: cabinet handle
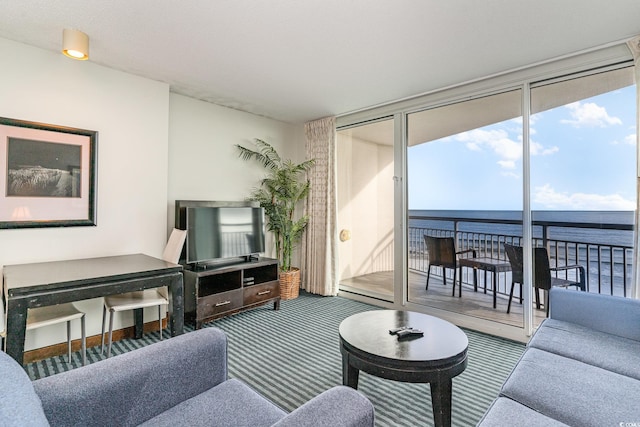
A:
{"x":264,"y":293}
{"x":223,"y":303}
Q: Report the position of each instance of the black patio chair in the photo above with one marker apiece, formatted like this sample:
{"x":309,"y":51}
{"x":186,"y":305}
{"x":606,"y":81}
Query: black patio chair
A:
{"x":542,"y":277}
{"x":442,"y":253}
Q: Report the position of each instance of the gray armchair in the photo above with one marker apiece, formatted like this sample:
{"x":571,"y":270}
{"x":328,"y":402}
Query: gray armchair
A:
{"x":180,"y":381}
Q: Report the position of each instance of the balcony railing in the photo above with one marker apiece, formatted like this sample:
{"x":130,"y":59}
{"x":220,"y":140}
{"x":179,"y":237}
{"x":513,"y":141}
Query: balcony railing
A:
{"x":608,"y":265}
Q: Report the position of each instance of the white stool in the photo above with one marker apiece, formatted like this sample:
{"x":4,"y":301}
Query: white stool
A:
{"x":131,"y":301}
{"x":50,"y":315}
{"x":148,"y":297}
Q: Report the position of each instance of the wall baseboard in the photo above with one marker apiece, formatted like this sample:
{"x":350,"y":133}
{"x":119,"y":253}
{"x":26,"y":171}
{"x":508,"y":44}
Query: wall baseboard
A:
{"x":92,"y":341}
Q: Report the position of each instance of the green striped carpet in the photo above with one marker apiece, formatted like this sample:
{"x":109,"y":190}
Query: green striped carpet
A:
{"x":293,"y":354}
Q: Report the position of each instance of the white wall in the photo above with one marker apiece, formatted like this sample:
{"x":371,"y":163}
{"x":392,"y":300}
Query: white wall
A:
{"x":365,"y":206}
{"x":130,"y":114}
{"x":153,"y":147}
{"x":203,"y":158}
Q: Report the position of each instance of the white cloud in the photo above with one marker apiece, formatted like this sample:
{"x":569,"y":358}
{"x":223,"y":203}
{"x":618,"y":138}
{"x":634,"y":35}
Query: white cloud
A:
{"x":511,"y":175}
{"x":498,"y":140}
{"x":630,"y":139}
{"x":508,"y":150}
{"x":507,"y":164}
{"x":548,"y":198}
{"x":538,"y":149}
{"x":589,"y":114}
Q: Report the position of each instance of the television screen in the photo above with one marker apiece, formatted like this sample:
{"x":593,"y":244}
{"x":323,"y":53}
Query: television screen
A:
{"x":223,"y":232}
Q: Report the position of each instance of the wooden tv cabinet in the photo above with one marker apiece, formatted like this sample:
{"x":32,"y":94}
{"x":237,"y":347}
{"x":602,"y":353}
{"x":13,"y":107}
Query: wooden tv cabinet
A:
{"x":220,"y":290}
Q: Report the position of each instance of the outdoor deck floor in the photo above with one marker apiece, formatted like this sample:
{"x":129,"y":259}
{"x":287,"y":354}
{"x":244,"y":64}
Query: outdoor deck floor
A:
{"x":477,"y":304}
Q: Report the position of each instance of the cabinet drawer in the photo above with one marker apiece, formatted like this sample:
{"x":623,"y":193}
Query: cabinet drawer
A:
{"x":219,"y":303}
{"x":261,"y":292}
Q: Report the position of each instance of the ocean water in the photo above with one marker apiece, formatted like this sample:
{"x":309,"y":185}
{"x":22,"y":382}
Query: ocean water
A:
{"x":615,"y":244}
{"x":596,"y":235}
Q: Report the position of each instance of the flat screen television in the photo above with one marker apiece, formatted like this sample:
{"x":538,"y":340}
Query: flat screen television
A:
{"x":220,"y":233}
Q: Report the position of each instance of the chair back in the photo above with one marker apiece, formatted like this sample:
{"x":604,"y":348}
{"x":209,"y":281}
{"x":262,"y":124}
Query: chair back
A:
{"x":442,"y":251}
{"x":541,"y":268}
{"x":516,"y":259}
{"x":174,"y":246}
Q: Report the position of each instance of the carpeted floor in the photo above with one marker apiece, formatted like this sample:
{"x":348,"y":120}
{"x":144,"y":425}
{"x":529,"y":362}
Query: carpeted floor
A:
{"x":293,"y":354}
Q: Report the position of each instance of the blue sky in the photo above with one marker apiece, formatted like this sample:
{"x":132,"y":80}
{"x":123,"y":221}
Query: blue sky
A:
{"x":583,"y":157}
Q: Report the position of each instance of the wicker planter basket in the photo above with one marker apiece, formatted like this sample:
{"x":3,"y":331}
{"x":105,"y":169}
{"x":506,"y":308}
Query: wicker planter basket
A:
{"x":290,"y":284}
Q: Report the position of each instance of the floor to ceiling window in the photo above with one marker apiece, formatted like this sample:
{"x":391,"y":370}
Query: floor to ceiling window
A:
{"x":464,"y":183}
{"x":535,"y":159}
{"x":582,"y":184}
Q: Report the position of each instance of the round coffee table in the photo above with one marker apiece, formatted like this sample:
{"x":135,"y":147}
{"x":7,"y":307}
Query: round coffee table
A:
{"x":435,"y":358}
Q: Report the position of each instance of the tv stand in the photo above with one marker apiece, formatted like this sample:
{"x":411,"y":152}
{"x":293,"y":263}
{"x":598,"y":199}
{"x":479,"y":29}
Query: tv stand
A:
{"x":218,"y":291}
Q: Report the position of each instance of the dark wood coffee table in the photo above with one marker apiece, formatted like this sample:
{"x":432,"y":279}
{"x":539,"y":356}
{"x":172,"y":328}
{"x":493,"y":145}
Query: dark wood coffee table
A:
{"x":435,"y":358}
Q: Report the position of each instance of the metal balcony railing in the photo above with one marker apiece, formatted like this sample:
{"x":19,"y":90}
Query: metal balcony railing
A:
{"x":608,"y":265}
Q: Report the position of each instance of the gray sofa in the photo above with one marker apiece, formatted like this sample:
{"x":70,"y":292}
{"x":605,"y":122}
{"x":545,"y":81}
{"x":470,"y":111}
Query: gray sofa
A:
{"x":177,"y":382}
{"x":580,"y":368}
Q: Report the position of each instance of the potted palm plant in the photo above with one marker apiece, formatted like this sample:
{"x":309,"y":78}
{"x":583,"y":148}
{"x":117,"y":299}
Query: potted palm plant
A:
{"x":280,"y":193}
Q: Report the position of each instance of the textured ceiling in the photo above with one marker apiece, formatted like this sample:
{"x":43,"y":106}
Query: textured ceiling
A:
{"x":298,"y":60}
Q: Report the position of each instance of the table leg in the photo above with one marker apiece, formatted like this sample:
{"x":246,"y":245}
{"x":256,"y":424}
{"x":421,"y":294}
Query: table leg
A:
{"x":349,"y":373}
{"x":495,"y":288}
{"x":16,"y":329}
{"x":176,"y":306}
{"x":138,"y":323}
{"x":441,"y":402}
{"x":485,"y":281}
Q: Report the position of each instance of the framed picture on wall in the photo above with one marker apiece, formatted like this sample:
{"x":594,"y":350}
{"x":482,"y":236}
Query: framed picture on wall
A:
{"x":48,"y":175}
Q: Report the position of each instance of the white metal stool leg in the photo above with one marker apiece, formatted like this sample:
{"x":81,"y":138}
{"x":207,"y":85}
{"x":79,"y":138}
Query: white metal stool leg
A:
{"x":69,"y":341}
{"x":83,"y":340}
{"x":104,"y":317}
{"x":110,"y":333}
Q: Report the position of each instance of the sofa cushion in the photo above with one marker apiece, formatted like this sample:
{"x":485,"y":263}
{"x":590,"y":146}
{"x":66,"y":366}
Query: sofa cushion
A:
{"x":610,"y":352}
{"x":231,"y":403}
{"x":610,"y":314}
{"x":20,"y":406}
{"x":572,"y":392}
{"x":505,"y":412}
{"x":329,"y":409}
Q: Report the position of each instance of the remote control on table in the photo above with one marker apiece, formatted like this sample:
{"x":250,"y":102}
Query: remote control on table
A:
{"x":410,"y":332}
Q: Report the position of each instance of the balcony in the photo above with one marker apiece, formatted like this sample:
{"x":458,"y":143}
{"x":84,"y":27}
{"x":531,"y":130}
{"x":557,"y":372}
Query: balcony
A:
{"x":605,"y":249}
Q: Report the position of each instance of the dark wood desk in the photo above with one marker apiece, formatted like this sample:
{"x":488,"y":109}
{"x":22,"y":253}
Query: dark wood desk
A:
{"x":435,"y":358}
{"x":487,"y":264}
{"x":49,"y":283}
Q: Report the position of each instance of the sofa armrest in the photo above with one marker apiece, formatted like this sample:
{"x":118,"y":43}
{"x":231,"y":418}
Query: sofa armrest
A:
{"x":610,"y":314}
{"x":133,"y":387}
{"x":339,"y":406}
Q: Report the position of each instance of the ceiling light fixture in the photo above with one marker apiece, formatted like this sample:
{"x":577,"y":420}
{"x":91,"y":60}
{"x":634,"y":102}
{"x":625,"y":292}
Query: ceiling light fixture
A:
{"x":75,"y":44}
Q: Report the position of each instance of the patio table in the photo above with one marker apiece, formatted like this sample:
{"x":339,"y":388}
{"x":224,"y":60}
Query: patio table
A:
{"x":493,"y":265}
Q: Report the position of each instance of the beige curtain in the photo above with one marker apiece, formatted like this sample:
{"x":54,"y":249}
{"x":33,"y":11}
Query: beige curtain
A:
{"x":319,"y":256}
{"x":634,"y":46}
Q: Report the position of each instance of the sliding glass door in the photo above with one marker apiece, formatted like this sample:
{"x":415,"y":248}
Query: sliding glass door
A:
{"x":582,"y":186}
{"x":464,"y":182}
{"x":365,"y":163}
